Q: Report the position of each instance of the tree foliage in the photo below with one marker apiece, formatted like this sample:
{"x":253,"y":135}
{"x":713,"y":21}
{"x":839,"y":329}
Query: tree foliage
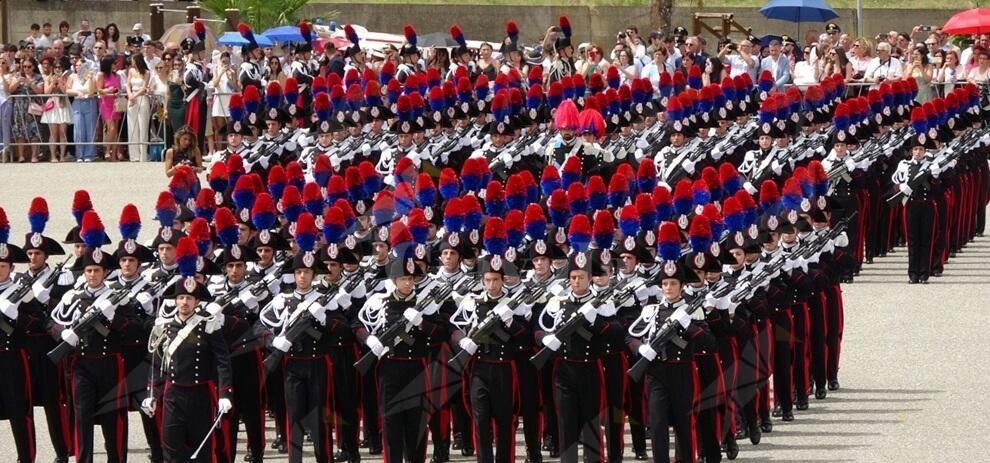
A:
{"x":260,"y":14}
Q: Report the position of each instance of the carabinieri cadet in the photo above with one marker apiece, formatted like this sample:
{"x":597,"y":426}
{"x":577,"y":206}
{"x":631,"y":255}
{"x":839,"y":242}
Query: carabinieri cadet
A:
{"x":48,"y":388}
{"x":240,"y":301}
{"x":194,"y":79}
{"x":16,"y":381}
{"x":303,"y":67}
{"x":194,"y":370}
{"x":305,"y":329}
{"x":492,"y":378}
{"x":919,"y":207}
{"x":403,"y":375}
{"x":670,"y":383}
{"x":253,"y":70}
{"x":93,"y":328}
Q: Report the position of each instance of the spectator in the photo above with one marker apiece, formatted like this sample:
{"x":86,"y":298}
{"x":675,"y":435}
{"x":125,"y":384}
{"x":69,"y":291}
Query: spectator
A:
{"x":113,"y":37}
{"x":58,"y":49}
{"x":696,"y":46}
{"x":487,"y":65}
{"x":175,"y":104}
{"x":884,"y":66}
{"x":100,"y":37}
{"x":184,"y":152}
{"x":673,"y":53}
{"x":594,"y":63}
{"x":846,"y":43}
{"x":712,"y":71}
{"x":84,"y":36}
{"x":441,"y":61}
{"x":138,"y":108}
{"x":6,"y":109}
{"x":150,"y":52}
{"x":739,"y":58}
{"x":978,"y":74}
{"x":44,"y":39}
{"x":860,"y":57}
{"x":778,"y":65}
{"x":626,"y":67}
{"x":224,"y":83}
{"x":931,"y":47}
{"x":275,"y":71}
{"x":918,"y":68}
{"x":968,"y":58}
{"x":63,"y":31}
{"x":835,"y":62}
{"x":657,"y":65}
{"x":138,"y":31}
{"x":159,"y":121}
{"x":22,"y":85}
{"x":948,"y":70}
{"x":99,"y":52}
{"x":514,"y":60}
{"x":811,"y":37}
{"x":109,"y":86}
{"x":82,"y":88}
{"x":903,"y":43}
{"x":634,"y":43}
{"x":57,"y":114}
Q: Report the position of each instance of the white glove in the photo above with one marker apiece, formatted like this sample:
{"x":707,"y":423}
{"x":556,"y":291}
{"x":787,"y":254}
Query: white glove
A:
{"x":144,"y":298}
{"x":842,"y":240}
{"x":589,"y":312}
{"x":224,"y":406}
{"x":376,"y":346}
{"x":688,"y":166}
{"x":750,"y":188}
{"x":468,"y":345}
{"x":711,"y":300}
{"x":505,"y":314}
{"x":343,"y":300}
{"x":905,"y":189}
{"x":9,"y":309}
{"x":413,"y":317}
{"x":319,"y":311}
{"x":106,"y":308}
{"x":935,"y":170}
{"x":281,"y":343}
{"x":552,"y":342}
{"x":647,"y":352}
{"x":148,"y":406}
{"x":682,"y":317}
{"x":69,"y":336}
{"x":41,"y":293}
{"x":776,"y":166}
{"x":803,"y":263}
{"x":850,"y":164}
{"x":213,"y":308}
{"x":789,"y":265}
{"x":864,"y":164}
{"x":248,"y":299}
{"x":358,"y":292}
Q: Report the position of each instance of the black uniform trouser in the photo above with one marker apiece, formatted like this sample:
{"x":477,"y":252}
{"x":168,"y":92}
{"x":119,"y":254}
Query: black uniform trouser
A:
{"x":15,"y":401}
{"x":99,"y":397}
{"x":845,"y":205}
{"x":371,"y":418}
{"x":578,"y":388}
{"x":747,"y":385}
{"x":309,"y":405}
{"x":940,"y":232}
{"x":833,"y":335}
{"x":816,"y":334}
{"x":403,"y":387}
{"x":493,"y":400}
{"x":248,"y":400}
{"x":799,"y":361}
{"x":550,"y":425}
{"x":529,"y":401}
{"x":444,"y":384}
{"x":671,"y":394}
{"x":345,"y":404}
{"x":636,"y":411}
{"x":138,"y":371}
{"x":50,"y":388}
{"x":275,"y":388}
{"x":982,"y":194}
{"x":783,"y":383}
{"x":918,"y":217}
{"x":764,"y":344}
{"x":188,"y":413}
{"x":711,"y":406}
{"x":614,"y":368}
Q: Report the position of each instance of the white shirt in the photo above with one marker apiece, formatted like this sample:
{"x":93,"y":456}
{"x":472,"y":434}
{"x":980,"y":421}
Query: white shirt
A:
{"x":891,"y":68}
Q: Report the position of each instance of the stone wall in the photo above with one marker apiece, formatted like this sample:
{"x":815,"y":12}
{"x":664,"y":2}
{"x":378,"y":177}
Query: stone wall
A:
{"x":479,"y":22}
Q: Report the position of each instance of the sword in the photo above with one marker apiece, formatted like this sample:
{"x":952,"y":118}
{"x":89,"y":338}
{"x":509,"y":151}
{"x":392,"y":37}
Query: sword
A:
{"x":209,"y":433}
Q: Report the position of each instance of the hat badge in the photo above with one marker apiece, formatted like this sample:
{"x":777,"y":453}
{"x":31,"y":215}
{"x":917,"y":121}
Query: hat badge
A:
{"x":805,"y":205}
{"x":715,"y":249}
{"x":496,"y":263}
{"x":792,"y":217}
{"x":650,"y":237}
{"x":852,"y":130}
{"x":273,"y":113}
{"x":629,"y":243}
{"x":4,"y":252}
{"x":510,"y":254}
{"x":405,"y":127}
{"x":766,"y":127}
{"x":560,"y":236}
{"x":581,"y":260}
{"x":245,"y":215}
{"x":332,"y":251}
{"x":375,"y":112}
{"x":670,"y":268}
{"x":36,"y":239}
{"x":453,"y":239}
{"x":235,"y":251}
{"x":420,"y":251}
{"x":189,"y":284}
{"x":200,"y":264}
{"x":753,"y":231}
{"x":540,"y":247}
{"x":682,"y":221}
{"x":360,"y":207}
{"x":606,"y":255}
{"x":237,"y":126}
{"x":350,"y":242}
{"x":292,"y":229}
{"x":166,"y":233}
{"x":474,"y":236}
{"x":264,"y":236}
{"x":428,"y":213}
{"x":410,"y":266}
{"x":130,"y":246}
{"x":840,"y":136}
{"x":308,"y":259}
{"x":739,"y":239}
{"x":773,"y":223}
{"x":218,"y":198}
{"x":325,"y":126}
{"x":822,"y":202}
{"x":97,"y":255}
{"x":699,"y":260}
{"x":382,"y":233}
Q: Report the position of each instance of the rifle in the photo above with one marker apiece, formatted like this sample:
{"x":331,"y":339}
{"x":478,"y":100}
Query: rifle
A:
{"x":300,"y":322}
{"x":265,"y":152}
{"x":21,"y":293}
{"x":89,"y":323}
{"x":697,"y":155}
{"x":492,"y":325}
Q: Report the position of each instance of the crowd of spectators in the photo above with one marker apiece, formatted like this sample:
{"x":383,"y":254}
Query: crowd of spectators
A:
{"x":109,"y":91}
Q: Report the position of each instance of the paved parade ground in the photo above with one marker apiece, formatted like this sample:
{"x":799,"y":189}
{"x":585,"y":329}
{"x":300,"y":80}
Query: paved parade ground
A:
{"x":915,"y":359}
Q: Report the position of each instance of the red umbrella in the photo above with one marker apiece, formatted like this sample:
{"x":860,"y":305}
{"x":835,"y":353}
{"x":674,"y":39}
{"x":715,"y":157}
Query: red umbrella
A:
{"x":975,"y":21}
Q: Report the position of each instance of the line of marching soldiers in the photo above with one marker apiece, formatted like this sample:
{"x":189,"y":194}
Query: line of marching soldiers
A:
{"x":402,"y":307}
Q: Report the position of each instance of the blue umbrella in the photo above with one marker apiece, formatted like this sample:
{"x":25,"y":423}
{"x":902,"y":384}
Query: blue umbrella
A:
{"x":283,"y":34}
{"x":235,"y":39}
{"x":798,"y":11}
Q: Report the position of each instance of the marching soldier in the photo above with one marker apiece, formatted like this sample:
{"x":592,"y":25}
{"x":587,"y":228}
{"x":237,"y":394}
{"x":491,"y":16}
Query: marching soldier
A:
{"x":919,"y":208}
{"x":194,"y":371}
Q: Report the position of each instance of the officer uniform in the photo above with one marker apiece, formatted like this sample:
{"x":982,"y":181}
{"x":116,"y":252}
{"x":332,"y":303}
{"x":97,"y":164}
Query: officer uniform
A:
{"x":919,"y":212}
{"x":15,"y":384}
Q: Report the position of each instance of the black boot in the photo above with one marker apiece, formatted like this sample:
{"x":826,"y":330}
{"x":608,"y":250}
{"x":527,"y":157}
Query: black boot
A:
{"x":801,"y":403}
{"x":731,"y":448}
{"x":279,"y":445}
{"x":441,"y":454}
{"x":458,"y":441}
{"x":788,"y":416}
{"x":833,"y":385}
{"x":755,"y":434}
{"x":766,"y":426}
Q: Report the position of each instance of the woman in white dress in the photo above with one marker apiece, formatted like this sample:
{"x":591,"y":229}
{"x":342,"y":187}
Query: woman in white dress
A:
{"x":138,"y":108}
{"x":223,"y":84}
{"x":57,"y":114}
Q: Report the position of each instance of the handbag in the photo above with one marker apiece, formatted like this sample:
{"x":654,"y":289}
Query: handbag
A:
{"x":120,"y":105}
{"x":49,"y":105}
{"x":35,"y":109}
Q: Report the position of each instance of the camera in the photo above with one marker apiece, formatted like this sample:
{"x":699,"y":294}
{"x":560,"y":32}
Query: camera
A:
{"x":732,"y":46}
{"x":926,"y":28}
{"x":621,"y":35}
